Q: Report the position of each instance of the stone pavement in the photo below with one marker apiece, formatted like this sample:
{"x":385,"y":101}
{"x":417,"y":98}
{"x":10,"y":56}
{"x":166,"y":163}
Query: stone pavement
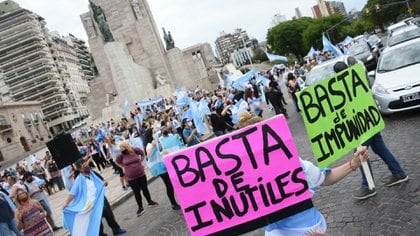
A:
{"x":393,"y":211}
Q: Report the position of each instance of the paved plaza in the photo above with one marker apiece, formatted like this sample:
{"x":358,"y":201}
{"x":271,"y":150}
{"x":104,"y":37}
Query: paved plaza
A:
{"x":393,"y":211}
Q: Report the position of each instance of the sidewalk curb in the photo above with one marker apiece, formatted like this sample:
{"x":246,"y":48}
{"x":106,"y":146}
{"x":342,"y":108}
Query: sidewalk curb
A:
{"x":127,"y":195}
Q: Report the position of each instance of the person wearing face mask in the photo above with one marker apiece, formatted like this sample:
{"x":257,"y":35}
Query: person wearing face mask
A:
{"x":130,"y":161}
{"x":189,"y":133}
{"x":30,"y":215}
{"x":85,"y":181}
{"x":34,"y":186}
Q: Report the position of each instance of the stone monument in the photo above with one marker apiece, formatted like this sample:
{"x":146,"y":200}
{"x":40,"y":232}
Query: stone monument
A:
{"x":132,"y":61}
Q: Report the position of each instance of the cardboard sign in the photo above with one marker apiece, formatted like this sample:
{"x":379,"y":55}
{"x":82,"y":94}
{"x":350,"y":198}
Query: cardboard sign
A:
{"x":339,"y":114}
{"x":241,"y":181}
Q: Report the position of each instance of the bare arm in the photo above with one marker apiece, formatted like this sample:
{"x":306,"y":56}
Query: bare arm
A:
{"x":342,"y":171}
{"x":40,"y":208}
{"x":18,"y":218}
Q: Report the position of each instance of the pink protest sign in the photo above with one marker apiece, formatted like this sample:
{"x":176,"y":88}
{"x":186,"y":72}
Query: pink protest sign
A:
{"x":241,"y":181}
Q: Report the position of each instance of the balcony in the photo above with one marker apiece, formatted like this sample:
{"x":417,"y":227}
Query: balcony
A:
{"x":28,"y":72}
{"x":28,"y":37}
{"x":46,"y":106}
{"x":32,"y":86}
{"x":51,"y":96}
{"x":5,"y":128}
{"x":21,"y":48}
{"x":13,"y":36}
{"x":83,"y":61}
{"x":15,"y":17}
{"x":23,"y":56}
{"x":9,"y":80}
{"x":8,"y":27}
{"x":60,"y":109}
{"x":10,"y":70}
{"x":37,"y":95}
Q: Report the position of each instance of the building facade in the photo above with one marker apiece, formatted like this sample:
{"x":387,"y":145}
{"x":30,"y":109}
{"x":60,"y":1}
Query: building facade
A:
{"x":278,"y":19}
{"x":22,"y":129}
{"x":338,"y":8}
{"x":298,"y":13}
{"x":322,"y":9}
{"x":72,"y":74}
{"x":228,"y":43}
{"x":30,"y":71}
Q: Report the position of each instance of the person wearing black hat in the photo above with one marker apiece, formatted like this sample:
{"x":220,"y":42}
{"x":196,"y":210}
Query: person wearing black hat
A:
{"x":82,"y":167}
{"x":378,"y":146}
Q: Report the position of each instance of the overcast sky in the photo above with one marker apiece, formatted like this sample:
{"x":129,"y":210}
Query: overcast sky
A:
{"x":190,"y":21}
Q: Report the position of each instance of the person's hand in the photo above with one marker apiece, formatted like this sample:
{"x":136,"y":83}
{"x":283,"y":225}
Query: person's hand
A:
{"x":362,"y":154}
{"x":194,"y":130}
{"x":154,"y":142}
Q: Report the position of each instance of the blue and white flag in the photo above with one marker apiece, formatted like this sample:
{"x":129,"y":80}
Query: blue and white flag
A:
{"x":229,"y":80}
{"x":101,"y":135}
{"x":241,"y":82}
{"x":237,"y":109}
{"x":84,"y":214}
{"x":136,"y":142}
{"x":155,"y":162}
{"x":171,"y":144}
{"x":311,"y":52}
{"x":221,"y":81}
{"x":198,"y":118}
{"x":203,"y":106}
{"x":274,"y":57}
{"x":67,"y":177}
{"x":126,"y":107}
{"x":328,"y":46}
{"x":182,"y":98}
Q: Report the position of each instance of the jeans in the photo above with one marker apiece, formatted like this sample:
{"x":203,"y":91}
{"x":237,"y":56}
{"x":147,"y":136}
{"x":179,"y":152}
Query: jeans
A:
{"x":379,"y":147}
{"x":8,"y":228}
{"x":219,"y":133}
{"x":137,"y":185}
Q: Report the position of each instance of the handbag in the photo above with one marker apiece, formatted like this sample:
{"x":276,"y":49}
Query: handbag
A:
{"x":155,"y":163}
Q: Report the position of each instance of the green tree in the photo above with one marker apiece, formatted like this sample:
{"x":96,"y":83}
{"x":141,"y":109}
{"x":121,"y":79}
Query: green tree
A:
{"x":357,"y":27}
{"x":259,"y":55}
{"x":386,"y":14}
{"x":312,"y":36}
{"x":287,"y":37}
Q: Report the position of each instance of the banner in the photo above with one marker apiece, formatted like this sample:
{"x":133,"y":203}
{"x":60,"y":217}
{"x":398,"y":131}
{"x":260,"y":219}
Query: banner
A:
{"x":339,"y":114}
{"x":274,"y":57}
{"x":228,"y":186}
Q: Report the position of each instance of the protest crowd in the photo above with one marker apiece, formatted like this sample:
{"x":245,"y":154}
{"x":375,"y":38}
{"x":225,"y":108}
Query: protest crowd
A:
{"x":139,"y":140}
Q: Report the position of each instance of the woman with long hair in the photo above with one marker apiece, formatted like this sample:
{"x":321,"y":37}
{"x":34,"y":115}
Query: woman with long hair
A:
{"x":130,"y":161}
{"x":30,"y":215}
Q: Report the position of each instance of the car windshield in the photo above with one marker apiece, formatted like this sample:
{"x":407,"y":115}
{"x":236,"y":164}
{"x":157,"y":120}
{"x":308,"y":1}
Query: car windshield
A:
{"x":400,"y":57}
{"x":405,"y":36}
{"x":357,"y":49}
{"x":319,"y":73}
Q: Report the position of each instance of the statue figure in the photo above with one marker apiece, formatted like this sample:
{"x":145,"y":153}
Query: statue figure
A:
{"x":100,"y":18}
{"x":168,"y":40}
{"x":136,"y":8}
{"x":160,"y":79}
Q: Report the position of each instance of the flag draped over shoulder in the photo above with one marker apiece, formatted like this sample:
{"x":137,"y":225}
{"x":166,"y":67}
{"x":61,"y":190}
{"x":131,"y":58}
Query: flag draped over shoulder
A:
{"x":328,"y":46}
{"x":84,"y":214}
{"x":273,"y":57}
{"x":155,"y":162}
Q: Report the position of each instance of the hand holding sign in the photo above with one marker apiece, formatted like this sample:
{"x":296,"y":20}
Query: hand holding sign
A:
{"x":364,"y":156}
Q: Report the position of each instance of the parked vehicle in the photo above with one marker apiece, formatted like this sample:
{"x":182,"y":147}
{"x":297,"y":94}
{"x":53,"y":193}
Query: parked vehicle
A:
{"x":364,"y":52}
{"x":397,"y":81}
{"x":403,"y":35}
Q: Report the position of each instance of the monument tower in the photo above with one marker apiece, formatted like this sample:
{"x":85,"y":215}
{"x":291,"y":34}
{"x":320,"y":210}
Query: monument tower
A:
{"x":128,"y":53}
{"x":132,"y":61}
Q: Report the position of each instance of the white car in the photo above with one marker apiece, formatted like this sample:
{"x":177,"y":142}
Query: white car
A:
{"x":397,"y":78}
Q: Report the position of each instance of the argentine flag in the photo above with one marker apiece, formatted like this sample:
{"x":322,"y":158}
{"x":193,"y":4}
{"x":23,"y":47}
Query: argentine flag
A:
{"x":171,"y":144}
{"x":84,"y":214}
{"x":328,"y":46}
{"x":274,"y":57}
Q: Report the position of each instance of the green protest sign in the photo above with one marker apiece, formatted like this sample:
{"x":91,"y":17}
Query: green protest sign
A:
{"x":339,"y":114}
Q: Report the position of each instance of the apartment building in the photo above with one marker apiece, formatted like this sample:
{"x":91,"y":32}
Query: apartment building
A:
{"x":28,"y":69}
